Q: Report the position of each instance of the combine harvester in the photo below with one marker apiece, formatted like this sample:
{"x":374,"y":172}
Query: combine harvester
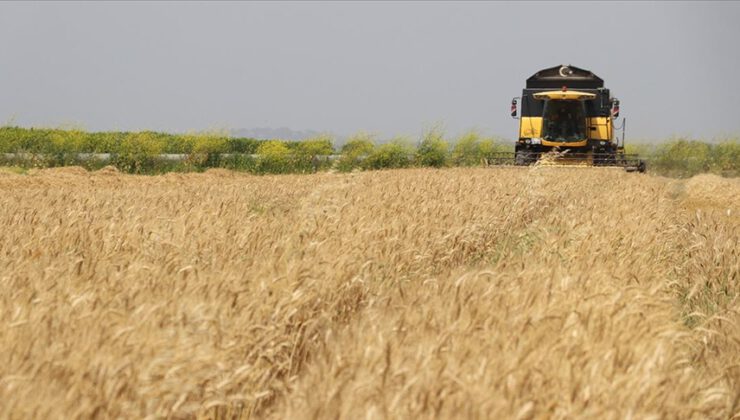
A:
{"x":567,"y":118}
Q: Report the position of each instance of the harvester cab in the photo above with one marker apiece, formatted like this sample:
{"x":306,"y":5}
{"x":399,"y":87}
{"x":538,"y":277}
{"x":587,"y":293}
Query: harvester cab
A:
{"x":567,"y":116}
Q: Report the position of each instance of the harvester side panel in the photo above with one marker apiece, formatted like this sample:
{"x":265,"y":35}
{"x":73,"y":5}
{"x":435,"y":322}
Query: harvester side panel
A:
{"x":530,"y":127}
{"x":600,"y":128}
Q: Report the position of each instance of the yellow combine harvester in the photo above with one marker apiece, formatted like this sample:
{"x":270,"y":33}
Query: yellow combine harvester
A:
{"x":567,"y":118}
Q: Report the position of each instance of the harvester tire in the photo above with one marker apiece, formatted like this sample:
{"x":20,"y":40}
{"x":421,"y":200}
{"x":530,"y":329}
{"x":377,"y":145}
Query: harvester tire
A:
{"x":524,"y":157}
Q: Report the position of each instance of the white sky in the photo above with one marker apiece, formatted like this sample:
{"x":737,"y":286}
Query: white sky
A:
{"x":390,"y":68}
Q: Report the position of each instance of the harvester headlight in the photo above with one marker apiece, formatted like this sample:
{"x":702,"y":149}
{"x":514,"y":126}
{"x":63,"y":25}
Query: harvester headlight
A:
{"x":528,"y":141}
{"x":603,"y":143}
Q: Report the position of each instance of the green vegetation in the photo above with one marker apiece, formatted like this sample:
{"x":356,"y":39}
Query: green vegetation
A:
{"x":685,"y":158}
{"x":146,"y":152}
{"x":398,"y":153}
{"x":433,"y":149}
{"x":151,"y":152}
{"x":471,"y":149}
{"x":355,"y":150}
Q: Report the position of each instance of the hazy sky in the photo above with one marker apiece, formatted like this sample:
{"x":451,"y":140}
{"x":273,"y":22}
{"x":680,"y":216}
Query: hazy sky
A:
{"x":390,"y":68}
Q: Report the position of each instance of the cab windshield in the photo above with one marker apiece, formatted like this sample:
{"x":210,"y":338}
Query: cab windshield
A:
{"x":563,"y":121}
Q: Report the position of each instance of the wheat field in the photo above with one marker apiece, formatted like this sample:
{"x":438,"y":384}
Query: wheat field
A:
{"x":477,"y":293}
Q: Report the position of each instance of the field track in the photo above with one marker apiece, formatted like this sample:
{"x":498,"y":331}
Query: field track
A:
{"x":493,"y":293}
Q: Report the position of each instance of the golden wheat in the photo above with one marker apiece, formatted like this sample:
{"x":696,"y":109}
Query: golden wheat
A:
{"x":515,"y":293}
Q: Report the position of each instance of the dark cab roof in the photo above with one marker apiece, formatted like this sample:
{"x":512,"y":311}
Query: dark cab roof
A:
{"x":564,"y":75}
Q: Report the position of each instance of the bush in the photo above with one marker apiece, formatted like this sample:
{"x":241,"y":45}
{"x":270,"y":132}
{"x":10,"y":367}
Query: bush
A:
{"x":62,"y":141}
{"x":12,"y":139}
{"x":467,"y":150}
{"x":322,"y":145}
{"x":682,"y":157}
{"x":273,"y":157}
{"x":726,"y":157}
{"x":206,"y":150}
{"x":644,"y":150}
{"x":240,"y":162}
{"x":433,"y":150}
{"x":395,"y":154}
{"x":357,"y":148}
{"x":138,"y":152}
{"x":63,"y":147}
{"x":310,"y":155}
{"x":102,"y":142}
{"x":685,"y":158}
{"x":242,"y":145}
{"x":490,"y":146}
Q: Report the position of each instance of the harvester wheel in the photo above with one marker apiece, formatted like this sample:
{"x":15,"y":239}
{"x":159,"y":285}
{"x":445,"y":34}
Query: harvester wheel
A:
{"x":524,"y":157}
